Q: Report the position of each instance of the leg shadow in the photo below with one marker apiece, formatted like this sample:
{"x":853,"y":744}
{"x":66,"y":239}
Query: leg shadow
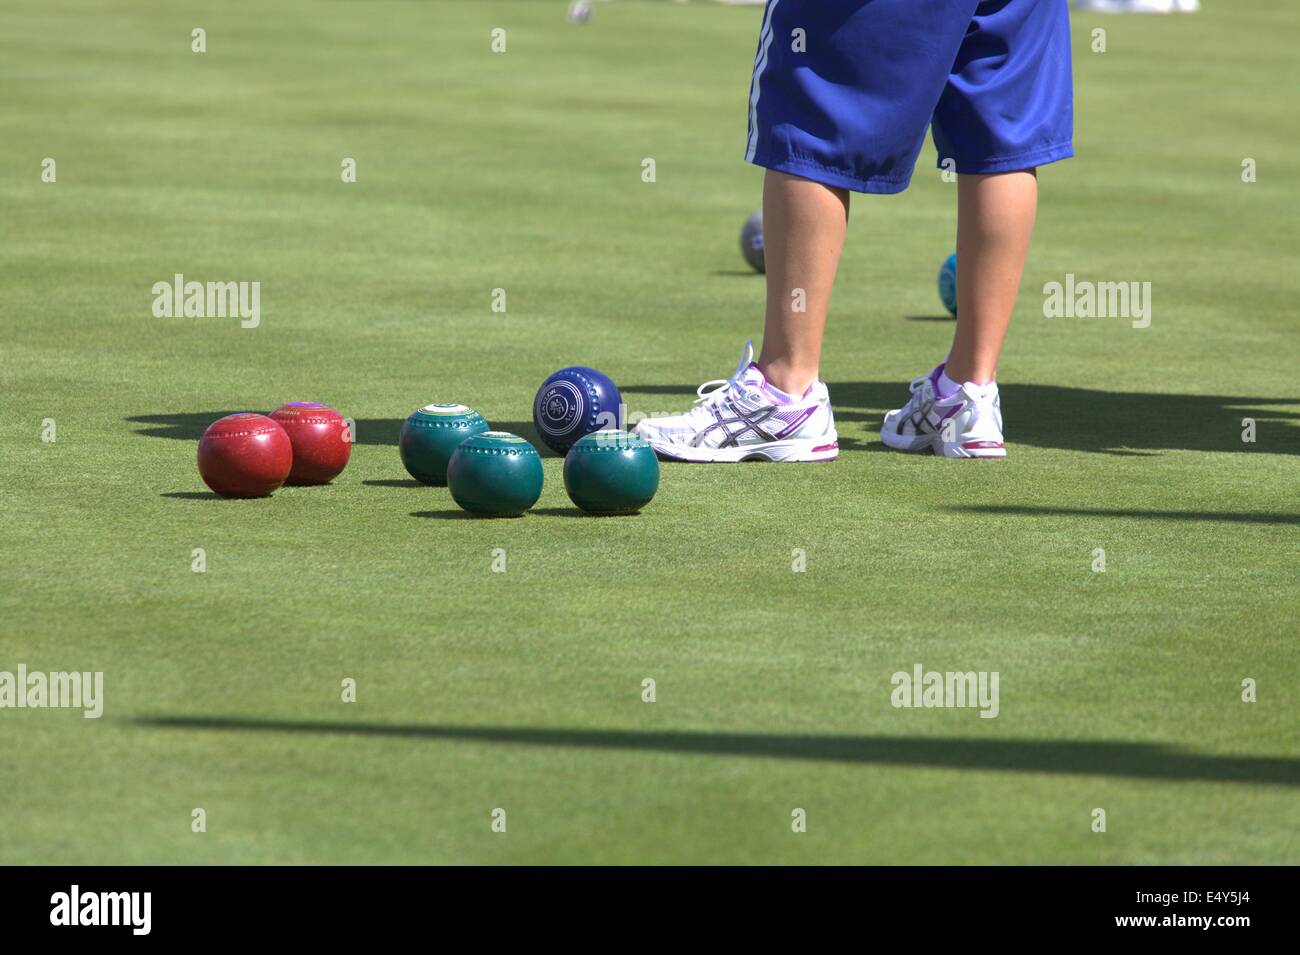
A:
{"x":1227,"y":517}
{"x":1157,"y":761}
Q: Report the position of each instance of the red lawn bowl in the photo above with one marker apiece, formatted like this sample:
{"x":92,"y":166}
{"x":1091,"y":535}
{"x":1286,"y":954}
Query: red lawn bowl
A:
{"x":321,"y":441}
{"x":244,"y":455}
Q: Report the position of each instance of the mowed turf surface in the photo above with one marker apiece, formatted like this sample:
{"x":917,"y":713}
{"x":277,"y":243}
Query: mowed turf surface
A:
{"x":522,"y":690}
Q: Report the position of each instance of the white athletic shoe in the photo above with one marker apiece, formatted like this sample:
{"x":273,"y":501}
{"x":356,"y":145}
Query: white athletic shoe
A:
{"x":746,"y":419}
{"x":967,"y":424}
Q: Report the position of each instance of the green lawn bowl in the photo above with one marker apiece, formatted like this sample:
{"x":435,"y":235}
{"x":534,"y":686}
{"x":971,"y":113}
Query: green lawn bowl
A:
{"x":430,"y":436}
{"x":495,"y":474}
{"x":611,"y":472}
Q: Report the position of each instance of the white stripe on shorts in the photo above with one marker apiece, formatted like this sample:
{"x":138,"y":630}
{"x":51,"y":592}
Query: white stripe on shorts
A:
{"x":760,"y":64}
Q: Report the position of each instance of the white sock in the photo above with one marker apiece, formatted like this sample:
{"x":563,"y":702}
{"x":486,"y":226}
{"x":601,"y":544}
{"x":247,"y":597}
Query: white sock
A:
{"x":947,"y":387}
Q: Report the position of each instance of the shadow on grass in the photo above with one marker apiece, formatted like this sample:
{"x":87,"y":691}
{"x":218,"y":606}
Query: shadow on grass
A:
{"x":459,"y":515}
{"x":1070,"y":419}
{"x":1227,"y":517}
{"x":1068,"y":757}
{"x":577,"y":512}
{"x":1044,"y":416}
{"x":450,"y":515}
{"x":398,"y":482}
{"x":202,"y":496}
{"x":190,"y":425}
{"x":930,"y":318}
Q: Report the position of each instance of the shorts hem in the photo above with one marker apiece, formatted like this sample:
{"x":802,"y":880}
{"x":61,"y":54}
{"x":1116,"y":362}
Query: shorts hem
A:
{"x":1026,"y":160}
{"x":827,"y":176}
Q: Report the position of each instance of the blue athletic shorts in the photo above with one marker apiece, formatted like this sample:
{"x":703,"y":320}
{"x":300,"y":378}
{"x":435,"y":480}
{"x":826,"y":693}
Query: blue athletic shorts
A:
{"x":843,"y":90}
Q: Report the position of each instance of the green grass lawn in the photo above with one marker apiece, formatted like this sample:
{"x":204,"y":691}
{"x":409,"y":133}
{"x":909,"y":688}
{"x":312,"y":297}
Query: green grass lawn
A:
{"x":522,"y":690}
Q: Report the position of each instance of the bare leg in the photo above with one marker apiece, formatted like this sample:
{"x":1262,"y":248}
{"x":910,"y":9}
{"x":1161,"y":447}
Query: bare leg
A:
{"x":995,"y":218}
{"x":803,"y":231}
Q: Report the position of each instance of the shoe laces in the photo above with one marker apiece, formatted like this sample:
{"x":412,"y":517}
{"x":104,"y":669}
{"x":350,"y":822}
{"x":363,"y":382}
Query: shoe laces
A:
{"x":706,"y":400}
{"x":916,"y":387}
{"x":721,"y":387}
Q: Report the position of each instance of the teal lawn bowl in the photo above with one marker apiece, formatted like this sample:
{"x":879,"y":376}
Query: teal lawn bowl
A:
{"x":948,"y":284}
{"x":431,"y":434}
{"x":495,"y":474}
{"x":611,"y":472}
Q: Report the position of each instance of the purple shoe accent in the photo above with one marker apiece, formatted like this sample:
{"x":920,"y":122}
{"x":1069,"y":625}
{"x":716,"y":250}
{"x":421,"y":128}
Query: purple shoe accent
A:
{"x":950,"y":412}
{"x":833,"y":446}
{"x":981,"y":445}
{"x":935,"y":375}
